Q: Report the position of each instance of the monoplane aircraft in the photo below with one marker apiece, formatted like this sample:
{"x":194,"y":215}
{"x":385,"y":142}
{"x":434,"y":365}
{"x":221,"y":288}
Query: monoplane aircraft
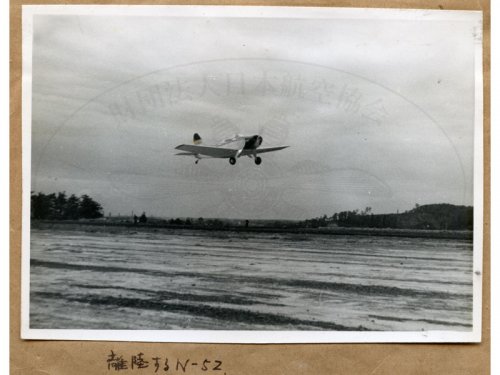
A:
{"x":231,"y":148}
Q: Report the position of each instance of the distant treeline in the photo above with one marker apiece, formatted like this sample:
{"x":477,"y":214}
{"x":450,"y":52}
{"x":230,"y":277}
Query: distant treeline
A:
{"x":200,"y":222}
{"x":190,"y":222}
{"x":432,"y":216}
{"x":61,"y":207}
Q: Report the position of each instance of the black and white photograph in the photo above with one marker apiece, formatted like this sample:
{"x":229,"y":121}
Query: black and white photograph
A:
{"x":252,"y":174}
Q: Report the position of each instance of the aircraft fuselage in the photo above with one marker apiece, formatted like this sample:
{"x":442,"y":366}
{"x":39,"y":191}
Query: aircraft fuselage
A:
{"x":251,"y":143}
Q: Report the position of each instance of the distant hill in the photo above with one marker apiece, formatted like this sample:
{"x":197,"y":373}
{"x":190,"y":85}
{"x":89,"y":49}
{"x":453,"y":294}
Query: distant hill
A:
{"x":441,"y":216}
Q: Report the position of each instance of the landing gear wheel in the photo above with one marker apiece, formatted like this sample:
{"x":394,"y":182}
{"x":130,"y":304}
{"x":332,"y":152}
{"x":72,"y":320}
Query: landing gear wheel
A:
{"x":258,"y":160}
{"x":196,"y":162}
{"x":232,"y":161}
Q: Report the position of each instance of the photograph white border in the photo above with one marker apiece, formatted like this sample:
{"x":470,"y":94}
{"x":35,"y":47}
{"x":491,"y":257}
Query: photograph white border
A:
{"x":235,"y":336}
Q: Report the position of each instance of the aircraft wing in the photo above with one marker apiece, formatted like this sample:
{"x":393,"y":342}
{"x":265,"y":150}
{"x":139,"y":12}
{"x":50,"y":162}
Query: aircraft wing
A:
{"x":264,"y":149}
{"x":214,"y":152}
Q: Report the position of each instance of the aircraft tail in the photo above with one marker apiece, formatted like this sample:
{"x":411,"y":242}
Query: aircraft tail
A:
{"x":196,"y":139}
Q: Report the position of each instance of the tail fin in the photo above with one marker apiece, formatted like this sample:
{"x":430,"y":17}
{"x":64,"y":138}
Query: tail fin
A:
{"x":196,"y":139}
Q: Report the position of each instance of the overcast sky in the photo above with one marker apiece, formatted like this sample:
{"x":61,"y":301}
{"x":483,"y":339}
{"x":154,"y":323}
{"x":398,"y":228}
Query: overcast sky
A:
{"x":376,"y":112}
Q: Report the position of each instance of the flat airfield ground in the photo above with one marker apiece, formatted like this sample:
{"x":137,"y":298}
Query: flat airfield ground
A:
{"x":121,"y":278}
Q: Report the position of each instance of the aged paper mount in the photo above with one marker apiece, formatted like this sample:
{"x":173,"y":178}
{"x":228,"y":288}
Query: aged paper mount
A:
{"x":53,"y":140}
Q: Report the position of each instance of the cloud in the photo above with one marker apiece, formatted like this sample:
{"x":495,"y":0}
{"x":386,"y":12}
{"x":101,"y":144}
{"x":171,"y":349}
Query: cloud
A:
{"x":387,"y":114}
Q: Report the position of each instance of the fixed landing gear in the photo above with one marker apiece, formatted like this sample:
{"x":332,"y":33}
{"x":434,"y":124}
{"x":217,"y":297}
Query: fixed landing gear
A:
{"x":196,"y":161}
{"x":257,"y":160}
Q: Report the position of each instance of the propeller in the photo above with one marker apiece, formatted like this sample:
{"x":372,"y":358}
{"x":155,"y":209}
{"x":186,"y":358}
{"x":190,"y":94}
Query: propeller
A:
{"x":236,"y":137}
{"x":261,"y":130}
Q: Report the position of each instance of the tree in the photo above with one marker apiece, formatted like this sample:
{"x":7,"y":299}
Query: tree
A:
{"x":60,"y":203}
{"x":58,"y":207}
{"x":40,"y":206}
{"x":72,"y":207}
{"x":89,"y":209}
{"x":51,"y":206}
